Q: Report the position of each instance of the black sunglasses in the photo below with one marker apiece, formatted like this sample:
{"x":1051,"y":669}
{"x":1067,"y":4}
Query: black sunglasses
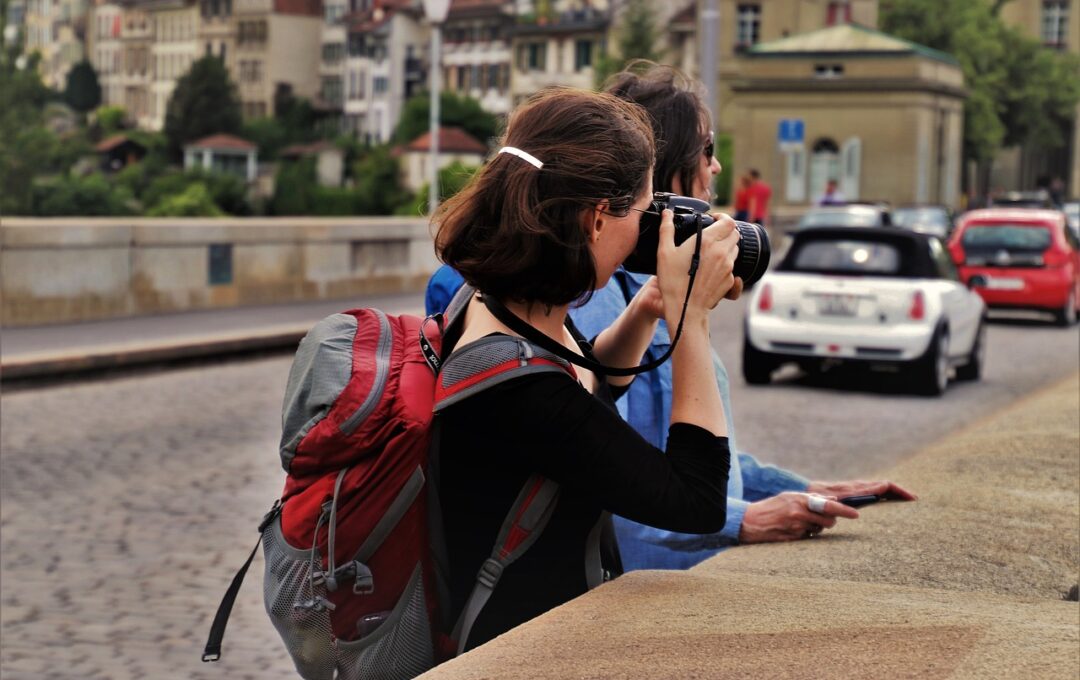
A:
{"x":710,"y":147}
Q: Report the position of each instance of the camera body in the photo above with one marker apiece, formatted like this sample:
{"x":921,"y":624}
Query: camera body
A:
{"x":754,"y":248}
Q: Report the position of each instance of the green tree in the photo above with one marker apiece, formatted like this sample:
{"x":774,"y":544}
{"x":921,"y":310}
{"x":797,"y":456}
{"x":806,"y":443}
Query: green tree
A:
{"x":1019,"y":92}
{"x":295,"y":188}
{"x":193,"y":201}
{"x":454,"y":110}
{"x":227,"y":192}
{"x":26,"y":146}
{"x":108,"y":120}
{"x":452,"y":179}
{"x":204,"y":102}
{"x":378,"y":186}
{"x":637,"y":38}
{"x":92,"y":195}
{"x":83,"y":91}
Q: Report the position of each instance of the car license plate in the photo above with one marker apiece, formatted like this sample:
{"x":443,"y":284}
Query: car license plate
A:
{"x":838,"y":305}
{"x":998,"y":283}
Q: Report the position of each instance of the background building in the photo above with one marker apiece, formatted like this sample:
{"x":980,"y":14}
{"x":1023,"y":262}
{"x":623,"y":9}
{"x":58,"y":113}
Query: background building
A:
{"x":175,"y":46}
{"x":882,"y":116}
{"x":476,"y":52}
{"x":56,"y":29}
{"x":559,"y":46}
{"x":137,"y":37}
{"x":280,"y":50}
{"x":106,"y":49}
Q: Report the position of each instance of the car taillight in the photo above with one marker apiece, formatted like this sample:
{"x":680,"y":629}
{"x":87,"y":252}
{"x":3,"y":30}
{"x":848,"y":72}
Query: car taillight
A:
{"x":1055,"y":258}
{"x":765,"y":301}
{"x":957,"y":252}
{"x":918,"y":307}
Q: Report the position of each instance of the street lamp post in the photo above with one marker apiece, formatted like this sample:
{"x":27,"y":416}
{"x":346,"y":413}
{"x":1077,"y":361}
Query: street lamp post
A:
{"x":436,"y":11}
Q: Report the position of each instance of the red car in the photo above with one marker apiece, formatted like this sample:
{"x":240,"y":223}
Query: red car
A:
{"x":1020,"y":258}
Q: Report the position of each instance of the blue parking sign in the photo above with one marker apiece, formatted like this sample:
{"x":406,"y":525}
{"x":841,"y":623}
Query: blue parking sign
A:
{"x":790,"y":131}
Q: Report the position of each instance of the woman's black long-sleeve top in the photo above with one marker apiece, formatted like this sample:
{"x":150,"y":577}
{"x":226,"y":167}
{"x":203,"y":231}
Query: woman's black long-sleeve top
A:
{"x":549,"y":424}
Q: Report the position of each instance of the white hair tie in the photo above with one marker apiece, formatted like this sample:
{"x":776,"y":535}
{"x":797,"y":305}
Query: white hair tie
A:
{"x":524,"y":155}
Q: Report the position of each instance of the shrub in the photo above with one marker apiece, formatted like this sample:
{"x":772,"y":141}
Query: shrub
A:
{"x":194,"y":201}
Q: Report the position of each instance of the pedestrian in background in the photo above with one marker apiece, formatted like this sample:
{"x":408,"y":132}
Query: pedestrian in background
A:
{"x":832,"y":194}
{"x":742,"y":198}
{"x":760,"y":195}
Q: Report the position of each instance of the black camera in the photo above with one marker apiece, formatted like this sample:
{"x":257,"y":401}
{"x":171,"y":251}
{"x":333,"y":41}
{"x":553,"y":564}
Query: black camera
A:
{"x":690,"y":215}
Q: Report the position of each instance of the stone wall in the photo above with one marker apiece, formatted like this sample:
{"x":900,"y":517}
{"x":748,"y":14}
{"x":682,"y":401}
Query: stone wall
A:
{"x":62,"y":270}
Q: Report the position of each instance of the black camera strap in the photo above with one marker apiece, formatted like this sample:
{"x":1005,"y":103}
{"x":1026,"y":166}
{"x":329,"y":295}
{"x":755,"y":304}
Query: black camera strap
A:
{"x":522,"y":328}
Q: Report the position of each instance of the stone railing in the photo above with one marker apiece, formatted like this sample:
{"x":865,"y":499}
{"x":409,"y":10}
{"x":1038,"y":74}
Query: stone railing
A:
{"x":61,"y":270}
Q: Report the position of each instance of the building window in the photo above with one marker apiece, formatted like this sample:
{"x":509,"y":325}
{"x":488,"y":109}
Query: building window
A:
{"x":333,"y":53}
{"x":220,"y":263}
{"x":331,"y":90}
{"x":1055,"y":22}
{"x":381,"y":85}
{"x":583,"y":51}
{"x":839,"y":12}
{"x":828,"y":71}
{"x":747,"y":26}
{"x":532,"y":56}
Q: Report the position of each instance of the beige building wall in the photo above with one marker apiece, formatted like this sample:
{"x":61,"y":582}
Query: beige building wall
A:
{"x":776,"y":19}
{"x":895,"y":121}
{"x":294,"y":55}
{"x":137,"y":35}
{"x":175,"y":48}
{"x":106,"y":51}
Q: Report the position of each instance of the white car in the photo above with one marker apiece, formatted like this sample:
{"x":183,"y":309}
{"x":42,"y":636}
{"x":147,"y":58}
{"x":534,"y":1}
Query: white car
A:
{"x":874,"y":296}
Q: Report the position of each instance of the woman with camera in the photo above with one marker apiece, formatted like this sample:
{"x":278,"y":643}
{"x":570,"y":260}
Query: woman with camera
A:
{"x":542,"y":225}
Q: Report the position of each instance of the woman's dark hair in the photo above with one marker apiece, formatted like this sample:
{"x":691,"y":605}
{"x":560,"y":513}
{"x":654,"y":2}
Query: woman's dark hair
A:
{"x":676,"y":107}
{"x":516,"y":232}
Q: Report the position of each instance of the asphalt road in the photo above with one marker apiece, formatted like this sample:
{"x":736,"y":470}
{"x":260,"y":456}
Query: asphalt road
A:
{"x":128,"y":503}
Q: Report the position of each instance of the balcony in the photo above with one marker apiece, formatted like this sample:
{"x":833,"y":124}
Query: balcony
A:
{"x":586,"y":20}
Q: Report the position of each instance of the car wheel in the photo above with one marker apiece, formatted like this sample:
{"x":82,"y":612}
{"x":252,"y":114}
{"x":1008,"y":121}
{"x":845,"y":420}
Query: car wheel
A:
{"x":972,"y":370}
{"x":757,"y":367}
{"x":931,"y":371}
{"x":1066,"y":316}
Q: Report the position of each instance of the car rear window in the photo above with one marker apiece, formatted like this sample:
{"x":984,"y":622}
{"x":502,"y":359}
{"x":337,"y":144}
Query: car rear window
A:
{"x":910,"y":217}
{"x":847,"y":257}
{"x":841,"y":218}
{"x":1010,"y":237}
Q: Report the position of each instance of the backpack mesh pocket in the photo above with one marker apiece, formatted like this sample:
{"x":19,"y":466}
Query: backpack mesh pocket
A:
{"x":287,"y":583}
{"x":400,"y":648}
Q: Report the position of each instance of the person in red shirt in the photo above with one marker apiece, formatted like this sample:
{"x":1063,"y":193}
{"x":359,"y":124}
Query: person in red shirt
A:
{"x":742,"y":198}
{"x":760,"y":194}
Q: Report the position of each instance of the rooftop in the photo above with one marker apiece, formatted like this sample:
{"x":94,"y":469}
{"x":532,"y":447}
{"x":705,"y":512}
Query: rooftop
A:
{"x":451,"y":140}
{"x":222,"y":142}
{"x":845,"y":40}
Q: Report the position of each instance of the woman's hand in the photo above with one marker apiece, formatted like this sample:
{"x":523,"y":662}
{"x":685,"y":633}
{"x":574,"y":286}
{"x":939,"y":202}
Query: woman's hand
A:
{"x":649,"y":300}
{"x":714,"y":280}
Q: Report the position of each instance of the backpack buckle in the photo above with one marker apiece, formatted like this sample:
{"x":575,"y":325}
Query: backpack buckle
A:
{"x":269,"y":517}
{"x":364,"y":583}
{"x":490,"y":573}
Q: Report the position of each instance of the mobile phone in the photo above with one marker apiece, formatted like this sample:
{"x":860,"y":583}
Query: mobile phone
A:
{"x":859,"y":501}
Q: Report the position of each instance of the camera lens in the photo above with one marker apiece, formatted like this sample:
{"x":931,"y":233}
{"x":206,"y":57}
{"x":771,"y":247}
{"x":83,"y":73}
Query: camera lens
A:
{"x":754,"y":253}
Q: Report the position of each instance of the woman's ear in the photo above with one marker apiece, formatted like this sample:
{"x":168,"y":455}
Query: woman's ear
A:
{"x":595,"y":221}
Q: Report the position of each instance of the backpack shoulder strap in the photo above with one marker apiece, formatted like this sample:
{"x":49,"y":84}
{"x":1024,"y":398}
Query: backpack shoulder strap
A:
{"x":490,"y":361}
{"x":522,"y":527}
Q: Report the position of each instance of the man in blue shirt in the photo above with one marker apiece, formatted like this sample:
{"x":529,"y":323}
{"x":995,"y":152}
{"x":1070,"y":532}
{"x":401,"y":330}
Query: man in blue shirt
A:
{"x":765,"y":503}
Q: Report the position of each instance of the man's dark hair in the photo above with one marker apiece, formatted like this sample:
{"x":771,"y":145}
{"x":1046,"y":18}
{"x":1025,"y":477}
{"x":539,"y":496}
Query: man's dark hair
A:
{"x":678,"y":113}
{"x":754,"y":174}
{"x":516,"y":232}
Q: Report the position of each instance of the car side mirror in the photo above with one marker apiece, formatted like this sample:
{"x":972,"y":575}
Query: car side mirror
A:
{"x":977,"y":281}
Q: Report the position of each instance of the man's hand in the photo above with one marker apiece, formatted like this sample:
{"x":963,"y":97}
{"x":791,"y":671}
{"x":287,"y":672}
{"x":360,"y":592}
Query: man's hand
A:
{"x":787,"y":517}
{"x":858,"y":487}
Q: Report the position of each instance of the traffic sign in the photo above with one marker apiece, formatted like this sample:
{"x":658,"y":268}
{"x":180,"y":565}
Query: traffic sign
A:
{"x":790,"y":133}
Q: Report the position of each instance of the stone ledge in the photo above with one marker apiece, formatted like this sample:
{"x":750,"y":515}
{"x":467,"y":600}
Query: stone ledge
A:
{"x":965,"y":583}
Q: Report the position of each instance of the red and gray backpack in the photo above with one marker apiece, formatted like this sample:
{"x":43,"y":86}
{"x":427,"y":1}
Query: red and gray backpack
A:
{"x":355,"y":562}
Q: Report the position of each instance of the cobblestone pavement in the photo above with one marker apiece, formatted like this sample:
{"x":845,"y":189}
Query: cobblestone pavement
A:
{"x":128,"y":504}
{"x":127,"y":507}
